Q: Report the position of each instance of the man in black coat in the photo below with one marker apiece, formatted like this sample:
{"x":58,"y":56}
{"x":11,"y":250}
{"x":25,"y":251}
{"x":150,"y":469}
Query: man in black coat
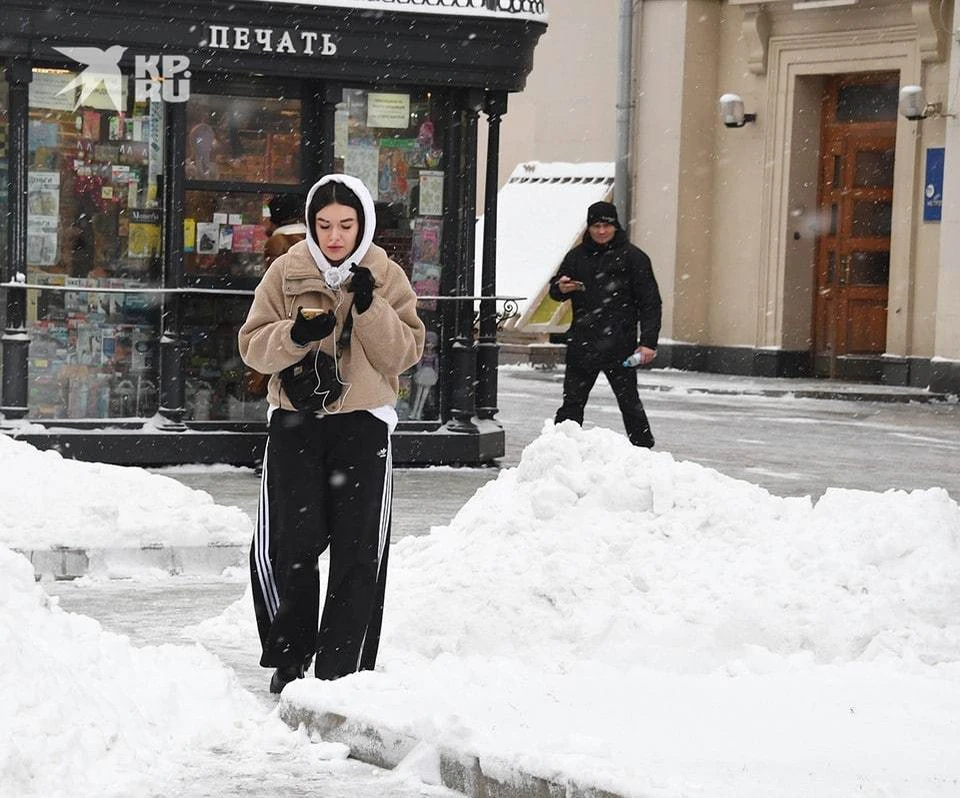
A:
{"x":611,"y":286}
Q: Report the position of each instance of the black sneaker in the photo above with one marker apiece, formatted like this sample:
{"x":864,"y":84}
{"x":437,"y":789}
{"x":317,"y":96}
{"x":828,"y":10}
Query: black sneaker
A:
{"x":643,"y":440}
{"x":283,"y":676}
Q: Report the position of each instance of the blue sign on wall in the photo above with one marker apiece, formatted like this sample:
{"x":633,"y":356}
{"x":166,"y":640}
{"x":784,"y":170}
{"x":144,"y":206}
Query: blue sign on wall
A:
{"x":933,"y":185}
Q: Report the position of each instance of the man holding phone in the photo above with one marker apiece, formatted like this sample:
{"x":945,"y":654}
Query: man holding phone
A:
{"x":612,"y":289}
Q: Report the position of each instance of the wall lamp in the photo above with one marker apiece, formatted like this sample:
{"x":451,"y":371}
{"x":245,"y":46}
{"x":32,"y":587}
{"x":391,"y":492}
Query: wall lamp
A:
{"x":731,"y":111}
{"x":914,"y":107}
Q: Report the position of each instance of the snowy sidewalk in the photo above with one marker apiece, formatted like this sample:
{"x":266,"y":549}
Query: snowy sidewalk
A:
{"x":793,"y":387}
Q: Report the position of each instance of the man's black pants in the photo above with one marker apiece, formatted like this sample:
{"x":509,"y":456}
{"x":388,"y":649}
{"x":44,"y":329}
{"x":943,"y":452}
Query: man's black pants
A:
{"x":327,"y":481}
{"x":579,"y":381}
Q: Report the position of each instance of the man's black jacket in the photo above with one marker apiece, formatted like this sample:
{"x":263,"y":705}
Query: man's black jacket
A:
{"x":621,"y":292}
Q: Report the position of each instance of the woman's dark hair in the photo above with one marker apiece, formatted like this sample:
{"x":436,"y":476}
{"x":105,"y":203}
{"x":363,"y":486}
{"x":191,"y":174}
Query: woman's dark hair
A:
{"x":328,"y":194}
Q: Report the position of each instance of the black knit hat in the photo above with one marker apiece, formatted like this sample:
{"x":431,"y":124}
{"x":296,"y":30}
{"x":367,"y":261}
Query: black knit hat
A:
{"x":603,"y":212}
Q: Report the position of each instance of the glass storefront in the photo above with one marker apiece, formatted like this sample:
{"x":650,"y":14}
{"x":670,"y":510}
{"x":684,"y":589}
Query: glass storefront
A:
{"x":243,"y":139}
{"x":241,"y":151}
{"x":95,"y":221}
{"x":95,"y":171}
{"x":392,"y":141}
{"x":217,"y":385}
{"x":224,"y":233}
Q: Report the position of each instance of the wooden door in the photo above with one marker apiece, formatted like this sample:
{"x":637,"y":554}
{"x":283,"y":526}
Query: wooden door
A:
{"x":856,"y":205}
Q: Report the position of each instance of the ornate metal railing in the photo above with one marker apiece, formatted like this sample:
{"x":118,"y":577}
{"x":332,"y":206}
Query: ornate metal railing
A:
{"x":509,"y":310}
{"x":535,"y":7}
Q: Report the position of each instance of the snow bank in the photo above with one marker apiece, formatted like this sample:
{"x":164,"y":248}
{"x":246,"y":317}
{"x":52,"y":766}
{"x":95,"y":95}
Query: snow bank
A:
{"x":48,"y":501}
{"x":592,"y":549}
{"x":608,"y":615}
{"x":84,"y":713}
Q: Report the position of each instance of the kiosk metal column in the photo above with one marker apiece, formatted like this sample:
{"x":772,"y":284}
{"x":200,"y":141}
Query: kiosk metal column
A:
{"x":15,"y":341}
{"x":488,"y":350}
{"x":171,"y":341}
{"x":463,"y":351}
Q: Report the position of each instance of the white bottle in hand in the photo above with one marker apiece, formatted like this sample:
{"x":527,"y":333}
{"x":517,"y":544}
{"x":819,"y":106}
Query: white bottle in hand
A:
{"x":633,"y":361}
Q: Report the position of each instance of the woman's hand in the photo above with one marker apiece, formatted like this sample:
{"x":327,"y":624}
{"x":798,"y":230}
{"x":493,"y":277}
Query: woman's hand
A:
{"x":361,"y":285}
{"x":316,"y":328}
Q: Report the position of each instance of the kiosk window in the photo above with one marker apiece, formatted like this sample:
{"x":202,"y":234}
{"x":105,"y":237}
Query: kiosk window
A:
{"x":94,"y":221}
{"x":224,"y":233}
{"x":243,"y":139}
{"x":392,"y":141}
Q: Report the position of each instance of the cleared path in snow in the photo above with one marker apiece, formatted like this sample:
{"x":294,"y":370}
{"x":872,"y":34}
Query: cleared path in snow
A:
{"x":154,"y":613}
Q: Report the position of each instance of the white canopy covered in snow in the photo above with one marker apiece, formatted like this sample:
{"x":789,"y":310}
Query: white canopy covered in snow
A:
{"x":541,"y":215}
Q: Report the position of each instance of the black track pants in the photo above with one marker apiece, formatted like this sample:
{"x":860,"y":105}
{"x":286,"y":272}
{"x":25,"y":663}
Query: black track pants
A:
{"x":579,"y":380}
{"x":327,"y":481}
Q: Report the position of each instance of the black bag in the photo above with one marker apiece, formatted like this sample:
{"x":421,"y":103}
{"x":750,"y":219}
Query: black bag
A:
{"x":314,"y":383}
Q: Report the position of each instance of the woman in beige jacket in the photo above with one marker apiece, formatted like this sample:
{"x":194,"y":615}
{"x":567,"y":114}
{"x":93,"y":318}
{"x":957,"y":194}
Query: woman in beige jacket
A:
{"x":327,"y":476}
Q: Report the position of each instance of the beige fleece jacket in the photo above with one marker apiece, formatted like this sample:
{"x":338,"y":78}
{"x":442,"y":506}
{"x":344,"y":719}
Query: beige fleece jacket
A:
{"x":386,"y":340}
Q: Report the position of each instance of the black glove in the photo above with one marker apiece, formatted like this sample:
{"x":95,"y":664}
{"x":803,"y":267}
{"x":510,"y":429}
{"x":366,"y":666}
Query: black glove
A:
{"x":305,"y":330}
{"x":362,"y":285}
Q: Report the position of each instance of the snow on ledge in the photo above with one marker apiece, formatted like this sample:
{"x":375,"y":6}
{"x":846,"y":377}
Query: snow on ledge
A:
{"x":562,"y":170}
{"x":530,"y":9}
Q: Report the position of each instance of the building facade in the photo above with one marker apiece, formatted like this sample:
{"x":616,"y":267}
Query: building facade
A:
{"x":567,"y":109}
{"x":141,"y":145}
{"x":816,"y":235}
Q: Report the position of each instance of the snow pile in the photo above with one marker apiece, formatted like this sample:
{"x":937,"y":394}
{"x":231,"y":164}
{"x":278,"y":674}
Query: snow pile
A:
{"x":592,"y":549}
{"x":606,"y":613}
{"x":84,"y":713}
{"x":48,"y":501}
